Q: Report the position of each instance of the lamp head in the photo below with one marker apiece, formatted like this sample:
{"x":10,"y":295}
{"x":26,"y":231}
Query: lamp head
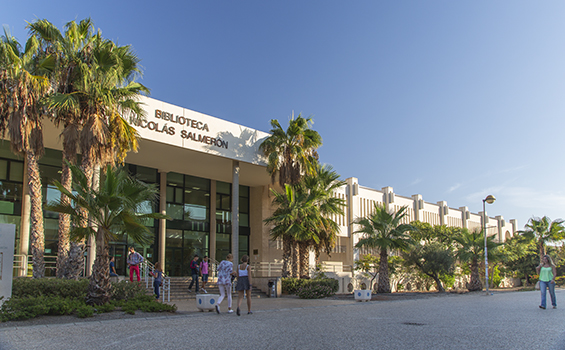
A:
{"x":490,"y":199}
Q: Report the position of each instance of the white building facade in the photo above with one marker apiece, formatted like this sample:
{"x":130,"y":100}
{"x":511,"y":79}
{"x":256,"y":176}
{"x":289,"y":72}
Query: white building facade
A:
{"x":214,"y":185}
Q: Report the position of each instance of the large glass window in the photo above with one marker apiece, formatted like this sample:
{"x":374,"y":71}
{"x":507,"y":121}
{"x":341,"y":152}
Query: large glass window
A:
{"x":188,"y":200}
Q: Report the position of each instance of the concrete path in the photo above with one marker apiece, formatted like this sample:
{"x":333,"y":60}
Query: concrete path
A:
{"x":505,"y":320}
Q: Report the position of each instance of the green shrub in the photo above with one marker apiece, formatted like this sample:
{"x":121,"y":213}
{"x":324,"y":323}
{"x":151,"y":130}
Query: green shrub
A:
{"x":314,"y":291}
{"x":34,"y":287}
{"x":108,"y":307}
{"x":85,"y":311}
{"x":292,"y":285}
{"x":124,"y":290}
{"x":560,"y":280}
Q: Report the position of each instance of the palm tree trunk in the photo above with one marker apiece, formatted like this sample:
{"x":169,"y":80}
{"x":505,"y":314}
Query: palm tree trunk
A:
{"x":294,"y":260}
{"x":384,"y":281}
{"x":475,"y":281}
{"x":64,"y":219}
{"x":304,"y":257}
{"x":99,"y":286}
{"x":287,"y":247}
{"x":37,"y":236}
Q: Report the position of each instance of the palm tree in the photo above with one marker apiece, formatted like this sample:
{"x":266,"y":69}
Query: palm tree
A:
{"x":292,"y":152}
{"x":95,"y":89}
{"x":321,"y":187}
{"x":113,"y":208}
{"x":23,"y":83}
{"x":73,"y":53}
{"x":384,"y":230}
{"x":543,"y":231}
{"x":470,"y":249}
{"x":289,"y":224}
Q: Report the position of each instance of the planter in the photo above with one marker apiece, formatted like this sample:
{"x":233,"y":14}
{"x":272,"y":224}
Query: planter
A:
{"x":206,"y":301}
{"x":362,"y":294}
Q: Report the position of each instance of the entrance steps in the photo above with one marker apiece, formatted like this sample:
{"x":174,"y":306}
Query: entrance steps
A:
{"x":179,"y":289}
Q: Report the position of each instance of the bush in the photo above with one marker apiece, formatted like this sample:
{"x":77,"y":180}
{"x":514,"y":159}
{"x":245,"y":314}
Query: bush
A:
{"x":125,"y":291}
{"x":50,"y":296}
{"x":294,"y":285}
{"x":560,"y":281}
{"x":85,"y":311}
{"x":23,"y":287}
{"x":314,"y":291}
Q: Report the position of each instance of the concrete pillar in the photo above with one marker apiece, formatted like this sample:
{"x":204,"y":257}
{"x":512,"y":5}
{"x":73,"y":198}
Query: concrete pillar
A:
{"x":162,"y":222}
{"x":514,"y":224}
{"x":388,"y":197}
{"x":418,"y":206}
{"x":24,"y":223}
{"x":235,"y":212}
{"x":500,"y":223}
{"x":443,"y":211}
{"x":465,"y":215}
{"x":213,"y":222}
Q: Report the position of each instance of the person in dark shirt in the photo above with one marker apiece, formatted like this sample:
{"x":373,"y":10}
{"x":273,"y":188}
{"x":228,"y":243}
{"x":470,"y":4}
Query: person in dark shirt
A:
{"x":195,"y":270}
{"x":113,"y":268}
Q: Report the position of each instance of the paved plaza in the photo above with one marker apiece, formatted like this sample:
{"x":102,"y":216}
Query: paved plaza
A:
{"x":505,"y":320}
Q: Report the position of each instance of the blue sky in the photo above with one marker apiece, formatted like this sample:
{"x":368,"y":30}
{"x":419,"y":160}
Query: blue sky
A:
{"x":453,"y":100}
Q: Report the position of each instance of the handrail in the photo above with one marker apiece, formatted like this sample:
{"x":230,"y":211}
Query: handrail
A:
{"x":148,"y":267}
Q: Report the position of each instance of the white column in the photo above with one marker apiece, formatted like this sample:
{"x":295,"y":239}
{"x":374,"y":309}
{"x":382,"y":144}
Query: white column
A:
{"x":443,"y":211}
{"x":162,"y":222}
{"x":418,"y":206}
{"x":235,"y":212}
{"x":465,"y":215}
{"x":24,"y":222}
{"x":213,"y":222}
{"x":388,"y":197}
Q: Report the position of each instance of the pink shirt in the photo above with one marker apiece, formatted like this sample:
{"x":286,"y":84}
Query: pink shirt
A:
{"x":204,"y":267}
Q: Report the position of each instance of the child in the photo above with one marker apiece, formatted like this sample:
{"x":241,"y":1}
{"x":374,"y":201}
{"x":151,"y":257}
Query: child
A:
{"x":204,"y":272}
{"x":158,"y":275}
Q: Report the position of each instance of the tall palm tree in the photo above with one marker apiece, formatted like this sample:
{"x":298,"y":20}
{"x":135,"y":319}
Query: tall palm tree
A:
{"x":384,"y":230}
{"x":113,"y":208}
{"x":470,"y":249}
{"x":543,"y":231}
{"x":291,"y":153}
{"x":23,"y":83}
{"x":73,"y":53}
{"x":95,"y":90}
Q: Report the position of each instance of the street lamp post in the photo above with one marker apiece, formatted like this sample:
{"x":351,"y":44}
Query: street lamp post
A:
{"x":489,"y":199}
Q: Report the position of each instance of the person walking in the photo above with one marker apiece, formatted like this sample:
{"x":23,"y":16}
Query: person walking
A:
{"x":134,"y":260}
{"x":158,"y":279}
{"x":547,"y":272}
{"x":194,"y":267}
{"x":225,"y":272}
{"x":243,"y":284}
{"x":204,"y":272}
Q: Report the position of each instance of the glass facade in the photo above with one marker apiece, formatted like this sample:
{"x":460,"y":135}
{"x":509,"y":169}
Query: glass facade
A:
{"x":187,"y":203}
